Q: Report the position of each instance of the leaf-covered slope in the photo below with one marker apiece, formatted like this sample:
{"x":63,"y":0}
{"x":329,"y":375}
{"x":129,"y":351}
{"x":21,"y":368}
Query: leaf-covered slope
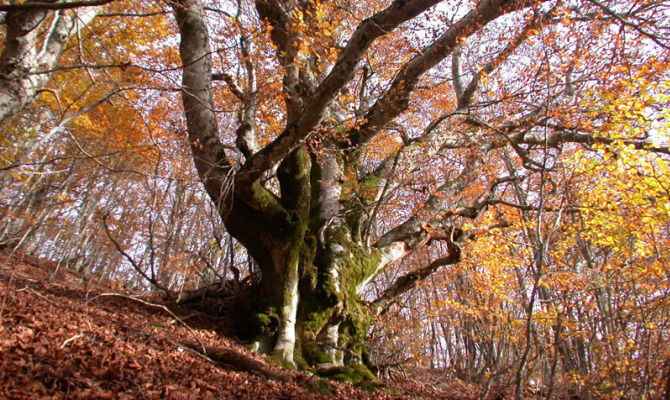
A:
{"x":67,"y":340}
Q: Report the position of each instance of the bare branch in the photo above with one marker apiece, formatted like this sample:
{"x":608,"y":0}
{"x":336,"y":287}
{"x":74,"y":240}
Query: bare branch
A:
{"x":655,"y":38}
{"x":466,"y":93}
{"x":52,"y":5}
{"x":132,"y":261}
{"x":232,"y":85}
{"x":153,"y":305}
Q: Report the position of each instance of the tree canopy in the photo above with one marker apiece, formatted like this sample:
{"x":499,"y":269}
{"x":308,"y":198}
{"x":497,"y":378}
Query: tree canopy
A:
{"x":491,"y":175}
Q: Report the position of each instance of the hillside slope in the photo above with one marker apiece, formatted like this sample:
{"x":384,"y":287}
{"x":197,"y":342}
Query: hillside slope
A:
{"x":68,"y":338}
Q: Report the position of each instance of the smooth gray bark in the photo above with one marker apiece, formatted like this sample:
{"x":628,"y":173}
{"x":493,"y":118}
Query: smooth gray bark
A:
{"x":26,"y":66}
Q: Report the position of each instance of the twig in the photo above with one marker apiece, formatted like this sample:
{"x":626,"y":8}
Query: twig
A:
{"x":150,"y":279}
{"x":138,"y":388}
{"x":202,"y":354}
{"x":75,"y":337}
{"x":160,"y":306}
{"x":39,"y":295}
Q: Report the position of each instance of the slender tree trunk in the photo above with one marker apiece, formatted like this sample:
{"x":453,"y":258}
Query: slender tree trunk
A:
{"x":25,"y":54}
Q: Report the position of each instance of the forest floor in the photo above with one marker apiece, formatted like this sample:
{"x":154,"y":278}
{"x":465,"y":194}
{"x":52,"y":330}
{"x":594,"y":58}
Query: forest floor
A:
{"x":67,"y":338}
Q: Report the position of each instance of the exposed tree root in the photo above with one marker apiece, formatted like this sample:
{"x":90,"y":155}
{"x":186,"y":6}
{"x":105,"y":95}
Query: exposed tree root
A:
{"x":237,"y":361}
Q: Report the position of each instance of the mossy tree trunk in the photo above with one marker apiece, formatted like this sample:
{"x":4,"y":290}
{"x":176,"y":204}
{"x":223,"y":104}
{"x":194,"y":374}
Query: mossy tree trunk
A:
{"x":313,"y":263}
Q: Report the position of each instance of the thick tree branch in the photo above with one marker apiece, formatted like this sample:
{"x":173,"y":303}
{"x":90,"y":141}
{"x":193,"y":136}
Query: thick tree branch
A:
{"x":342,"y":72}
{"x":396,"y":99}
{"x":457,"y":72}
{"x":558,"y":135}
{"x":416,"y":232}
{"x":246,"y":139}
{"x":52,"y":5}
{"x":210,"y":159}
{"x":411,"y":279}
{"x":570,"y":136}
{"x":413,"y":232}
{"x":465,"y":94}
{"x":287,"y":39}
{"x":235,"y":89}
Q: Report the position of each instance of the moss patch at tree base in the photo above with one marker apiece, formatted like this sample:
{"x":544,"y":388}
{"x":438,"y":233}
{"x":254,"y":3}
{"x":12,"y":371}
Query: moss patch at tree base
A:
{"x":358,"y":375}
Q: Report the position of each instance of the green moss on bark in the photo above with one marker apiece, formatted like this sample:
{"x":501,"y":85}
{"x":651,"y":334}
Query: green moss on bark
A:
{"x":358,"y":375}
{"x":252,"y":324}
{"x":334,"y":297}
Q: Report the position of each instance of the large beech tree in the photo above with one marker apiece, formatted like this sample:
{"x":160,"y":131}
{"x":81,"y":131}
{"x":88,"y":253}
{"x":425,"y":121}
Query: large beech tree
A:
{"x":392,"y":127}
